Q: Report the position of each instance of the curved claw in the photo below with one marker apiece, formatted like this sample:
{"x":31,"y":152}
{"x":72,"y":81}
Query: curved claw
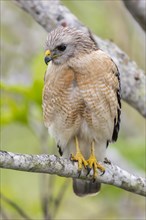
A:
{"x":88,"y":170}
{"x":102,"y":173}
{"x":79,"y":172}
{"x":94,"y":179}
{"x":93,"y":163}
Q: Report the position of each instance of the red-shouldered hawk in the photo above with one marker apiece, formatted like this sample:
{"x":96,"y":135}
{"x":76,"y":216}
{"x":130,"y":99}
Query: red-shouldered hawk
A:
{"x":81,"y":101}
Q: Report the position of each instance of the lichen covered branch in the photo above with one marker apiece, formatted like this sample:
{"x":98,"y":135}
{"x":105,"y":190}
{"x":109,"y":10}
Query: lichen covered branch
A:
{"x":52,"y":164}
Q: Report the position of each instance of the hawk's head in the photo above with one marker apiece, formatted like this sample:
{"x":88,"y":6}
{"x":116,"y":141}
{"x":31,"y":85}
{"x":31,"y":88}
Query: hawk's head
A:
{"x":64,"y":43}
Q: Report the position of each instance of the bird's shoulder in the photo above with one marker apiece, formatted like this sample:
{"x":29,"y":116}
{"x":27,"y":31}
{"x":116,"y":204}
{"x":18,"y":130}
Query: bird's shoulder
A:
{"x":97,"y":66}
{"x":96,"y":61}
{"x":104,"y":67}
{"x":100,"y":57}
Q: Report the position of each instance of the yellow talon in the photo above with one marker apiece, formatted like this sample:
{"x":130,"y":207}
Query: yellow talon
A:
{"x":92,"y":163}
{"x":79,"y":157}
{"x":88,"y":164}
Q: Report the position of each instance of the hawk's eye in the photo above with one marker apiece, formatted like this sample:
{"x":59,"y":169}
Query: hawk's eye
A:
{"x":61,"y":47}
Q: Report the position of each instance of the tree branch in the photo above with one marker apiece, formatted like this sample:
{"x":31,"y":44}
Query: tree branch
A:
{"x":52,"y":164}
{"x":50,"y":14}
{"x":138,"y":11}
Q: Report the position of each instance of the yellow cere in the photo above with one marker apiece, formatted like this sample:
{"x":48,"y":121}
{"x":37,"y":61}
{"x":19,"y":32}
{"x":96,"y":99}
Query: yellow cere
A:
{"x":47,"y":53}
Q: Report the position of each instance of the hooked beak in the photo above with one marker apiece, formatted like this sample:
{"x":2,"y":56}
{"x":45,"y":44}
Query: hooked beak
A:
{"x":48,"y":57}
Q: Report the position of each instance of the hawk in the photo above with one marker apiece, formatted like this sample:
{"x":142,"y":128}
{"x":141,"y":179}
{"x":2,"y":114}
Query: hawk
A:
{"x":81,"y":101}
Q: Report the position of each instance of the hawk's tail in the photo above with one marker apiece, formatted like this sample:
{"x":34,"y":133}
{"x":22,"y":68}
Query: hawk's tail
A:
{"x":85,"y":187}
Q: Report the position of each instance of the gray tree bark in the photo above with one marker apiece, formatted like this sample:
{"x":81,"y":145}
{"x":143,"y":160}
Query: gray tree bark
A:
{"x":52,"y":164}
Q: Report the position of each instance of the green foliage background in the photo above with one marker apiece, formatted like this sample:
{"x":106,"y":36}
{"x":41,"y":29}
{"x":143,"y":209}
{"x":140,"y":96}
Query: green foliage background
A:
{"x":22,"y":128}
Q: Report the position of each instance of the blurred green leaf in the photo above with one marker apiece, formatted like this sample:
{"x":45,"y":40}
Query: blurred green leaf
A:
{"x":17,"y":100}
{"x":134,"y":150}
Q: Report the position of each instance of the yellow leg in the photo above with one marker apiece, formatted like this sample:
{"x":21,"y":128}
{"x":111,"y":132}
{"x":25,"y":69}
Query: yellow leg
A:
{"x":92,"y":162}
{"x":79,"y":157}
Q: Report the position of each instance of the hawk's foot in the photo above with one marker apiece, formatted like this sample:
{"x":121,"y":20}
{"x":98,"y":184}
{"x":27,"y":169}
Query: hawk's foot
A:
{"x":79,"y":157}
{"x":92,"y":163}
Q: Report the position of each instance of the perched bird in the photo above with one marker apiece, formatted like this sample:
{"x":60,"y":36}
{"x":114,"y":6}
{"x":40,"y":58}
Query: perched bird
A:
{"x":81,"y":101}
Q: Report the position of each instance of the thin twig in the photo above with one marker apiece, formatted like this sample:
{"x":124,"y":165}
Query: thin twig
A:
{"x":60,"y":196}
{"x":138,"y":11}
{"x":45,"y":197}
{"x":15,"y":206}
{"x":44,"y":188}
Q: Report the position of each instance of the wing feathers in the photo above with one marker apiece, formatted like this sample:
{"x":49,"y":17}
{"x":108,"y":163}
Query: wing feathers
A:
{"x":100,"y":87}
